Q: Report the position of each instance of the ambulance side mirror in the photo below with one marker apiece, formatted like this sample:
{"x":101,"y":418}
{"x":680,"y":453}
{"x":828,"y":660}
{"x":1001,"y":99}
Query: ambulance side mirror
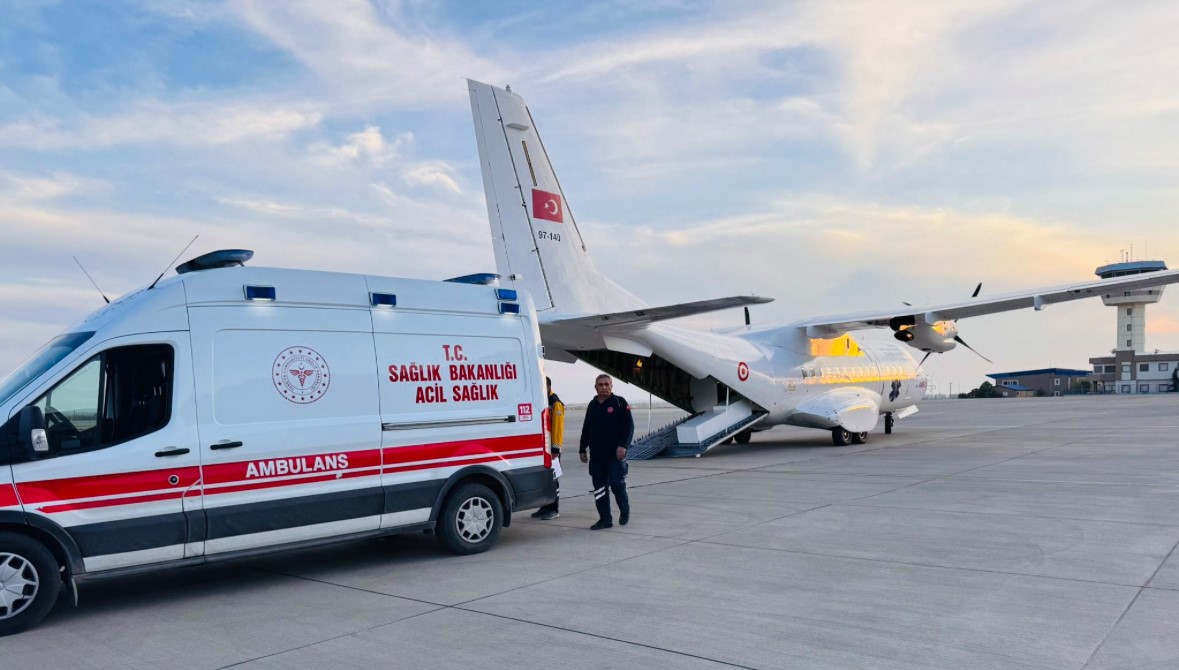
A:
{"x":32,"y":432}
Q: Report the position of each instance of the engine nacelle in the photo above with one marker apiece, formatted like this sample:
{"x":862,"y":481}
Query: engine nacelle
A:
{"x":936,"y":337}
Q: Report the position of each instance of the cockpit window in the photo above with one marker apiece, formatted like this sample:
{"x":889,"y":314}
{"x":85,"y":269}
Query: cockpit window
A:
{"x":48,"y":356}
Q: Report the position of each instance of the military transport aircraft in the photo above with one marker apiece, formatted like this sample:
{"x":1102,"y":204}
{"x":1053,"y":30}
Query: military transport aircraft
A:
{"x":809,"y":372}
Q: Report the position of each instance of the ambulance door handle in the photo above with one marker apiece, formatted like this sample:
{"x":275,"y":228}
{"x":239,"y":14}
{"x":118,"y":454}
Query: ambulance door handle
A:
{"x":173,"y":451}
{"x":225,"y":445}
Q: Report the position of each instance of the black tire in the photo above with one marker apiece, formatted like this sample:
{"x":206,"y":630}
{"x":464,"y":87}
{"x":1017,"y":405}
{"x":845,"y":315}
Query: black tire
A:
{"x":840,"y":437}
{"x":471,"y":519}
{"x":859,"y":438}
{"x":743,"y":437}
{"x":30,"y":580}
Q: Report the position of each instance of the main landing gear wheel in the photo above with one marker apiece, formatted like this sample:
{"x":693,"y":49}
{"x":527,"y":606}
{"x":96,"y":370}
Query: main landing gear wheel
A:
{"x":471,"y":519}
{"x":840,"y":437}
{"x":888,"y":422}
{"x":30,"y":580}
{"x":859,"y":438}
{"x":744,"y":436}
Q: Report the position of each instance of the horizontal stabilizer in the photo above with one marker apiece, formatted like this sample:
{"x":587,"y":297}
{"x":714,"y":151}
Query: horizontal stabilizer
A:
{"x":651,"y":314}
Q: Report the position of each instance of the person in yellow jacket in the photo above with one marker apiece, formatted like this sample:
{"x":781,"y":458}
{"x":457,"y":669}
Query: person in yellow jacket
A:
{"x":556,"y":439}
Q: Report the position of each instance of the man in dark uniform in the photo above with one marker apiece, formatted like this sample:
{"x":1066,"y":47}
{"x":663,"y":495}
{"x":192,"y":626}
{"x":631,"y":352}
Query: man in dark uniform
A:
{"x":606,"y":433}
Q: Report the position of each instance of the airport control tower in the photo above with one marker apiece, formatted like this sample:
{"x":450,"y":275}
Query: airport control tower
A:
{"x":1131,"y":335}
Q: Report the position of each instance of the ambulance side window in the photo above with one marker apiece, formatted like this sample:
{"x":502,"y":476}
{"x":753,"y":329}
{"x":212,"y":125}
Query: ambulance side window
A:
{"x":118,"y":395}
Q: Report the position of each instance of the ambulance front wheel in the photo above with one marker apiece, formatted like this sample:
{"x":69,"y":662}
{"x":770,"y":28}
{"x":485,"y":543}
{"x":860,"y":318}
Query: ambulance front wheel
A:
{"x":30,"y":580}
{"x":471,"y":519}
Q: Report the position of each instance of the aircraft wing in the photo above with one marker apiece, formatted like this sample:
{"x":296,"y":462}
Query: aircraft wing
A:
{"x":830,"y":326}
{"x":649,"y":314}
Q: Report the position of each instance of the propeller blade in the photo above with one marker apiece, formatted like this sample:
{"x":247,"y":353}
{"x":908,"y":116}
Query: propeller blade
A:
{"x":961,"y":341}
{"x":924,"y":358}
{"x":747,"y":316}
{"x":976,"y":290}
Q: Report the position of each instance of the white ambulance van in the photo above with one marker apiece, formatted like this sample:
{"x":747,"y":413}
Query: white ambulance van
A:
{"x":232,"y":410}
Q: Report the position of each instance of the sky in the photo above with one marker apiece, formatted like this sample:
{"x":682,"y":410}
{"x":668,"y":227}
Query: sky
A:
{"x":834,"y":156}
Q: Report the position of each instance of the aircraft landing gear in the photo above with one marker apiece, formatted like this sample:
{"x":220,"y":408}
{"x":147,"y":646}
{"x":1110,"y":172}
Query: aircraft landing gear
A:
{"x":859,"y":438}
{"x":888,"y":421}
{"x":840,"y":437}
{"x":744,"y":436}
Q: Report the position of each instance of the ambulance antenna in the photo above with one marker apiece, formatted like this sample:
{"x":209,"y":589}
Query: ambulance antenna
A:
{"x":108,"y":300}
{"x":153,"y":284}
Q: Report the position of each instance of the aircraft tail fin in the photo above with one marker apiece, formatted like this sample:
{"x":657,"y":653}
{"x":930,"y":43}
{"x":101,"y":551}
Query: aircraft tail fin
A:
{"x":538,"y":246}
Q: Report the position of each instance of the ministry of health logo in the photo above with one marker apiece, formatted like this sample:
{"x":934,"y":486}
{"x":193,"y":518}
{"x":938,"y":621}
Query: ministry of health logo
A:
{"x":301,"y":375}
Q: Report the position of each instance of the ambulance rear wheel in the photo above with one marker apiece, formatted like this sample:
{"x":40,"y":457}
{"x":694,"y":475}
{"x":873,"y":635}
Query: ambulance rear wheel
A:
{"x":840,"y":437}
{"x":30,"y":580}
{"x":471,"y":519}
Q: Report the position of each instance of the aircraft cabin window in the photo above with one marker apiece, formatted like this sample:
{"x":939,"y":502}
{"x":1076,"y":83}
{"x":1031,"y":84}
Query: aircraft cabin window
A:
{"x":116,"y":396}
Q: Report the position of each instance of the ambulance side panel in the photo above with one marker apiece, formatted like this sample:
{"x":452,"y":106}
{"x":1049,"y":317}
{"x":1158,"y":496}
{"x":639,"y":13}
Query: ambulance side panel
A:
{"x":288,"y":419}
{"x":459,"y":395}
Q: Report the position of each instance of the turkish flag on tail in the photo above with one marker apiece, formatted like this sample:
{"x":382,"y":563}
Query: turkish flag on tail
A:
{"x":547,"y":206}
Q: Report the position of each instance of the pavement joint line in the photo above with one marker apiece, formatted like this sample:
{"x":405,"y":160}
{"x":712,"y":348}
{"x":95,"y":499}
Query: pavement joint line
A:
{"x":680,"y":543}
{"x":1101,"y":642}
{"x":605,"y":637}
{"x":1028,"y":516}
{"x":346,"y":586}
{"x":1161,"y":564}
{"x":915,"y":564}
{"x":330,"y":639}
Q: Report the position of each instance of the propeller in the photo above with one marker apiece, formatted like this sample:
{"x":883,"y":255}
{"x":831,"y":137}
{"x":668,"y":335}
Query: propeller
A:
{"x":961,"y":341}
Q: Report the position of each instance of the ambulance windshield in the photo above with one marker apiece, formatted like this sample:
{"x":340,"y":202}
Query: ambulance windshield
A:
{"x":49,"y":355}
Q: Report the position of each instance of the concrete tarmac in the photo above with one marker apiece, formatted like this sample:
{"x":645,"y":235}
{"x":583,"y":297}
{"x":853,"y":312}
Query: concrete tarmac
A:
{"x":1021,"y":533}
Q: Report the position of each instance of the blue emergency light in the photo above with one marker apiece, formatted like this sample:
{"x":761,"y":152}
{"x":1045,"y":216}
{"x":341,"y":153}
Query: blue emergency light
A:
{"x":263,"y":293}
{"x":505,"y":294}
{"x":382,"y":299}
{"x":509,"y":308}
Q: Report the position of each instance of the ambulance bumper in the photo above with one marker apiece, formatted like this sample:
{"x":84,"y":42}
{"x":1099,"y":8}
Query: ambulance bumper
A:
{"x":533,"y":487}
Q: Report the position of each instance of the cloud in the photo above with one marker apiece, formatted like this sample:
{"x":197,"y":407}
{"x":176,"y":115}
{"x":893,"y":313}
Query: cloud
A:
{"x":23,"y":188}
{"x":432,"y":173}
{"x":369,"y":52}
{"x":368,"y":145}
{"x":168,"y":123}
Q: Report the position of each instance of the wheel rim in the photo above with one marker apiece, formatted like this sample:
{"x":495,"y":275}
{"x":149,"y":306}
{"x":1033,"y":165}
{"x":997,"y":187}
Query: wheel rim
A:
{"x":475,"y":520}
{"x":844,"y":436}
{"x":19,"y":584}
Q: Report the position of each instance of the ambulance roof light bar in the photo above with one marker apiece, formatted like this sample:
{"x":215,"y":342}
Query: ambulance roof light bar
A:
{"x":482,"y":278}
{"x":215,"y":259}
